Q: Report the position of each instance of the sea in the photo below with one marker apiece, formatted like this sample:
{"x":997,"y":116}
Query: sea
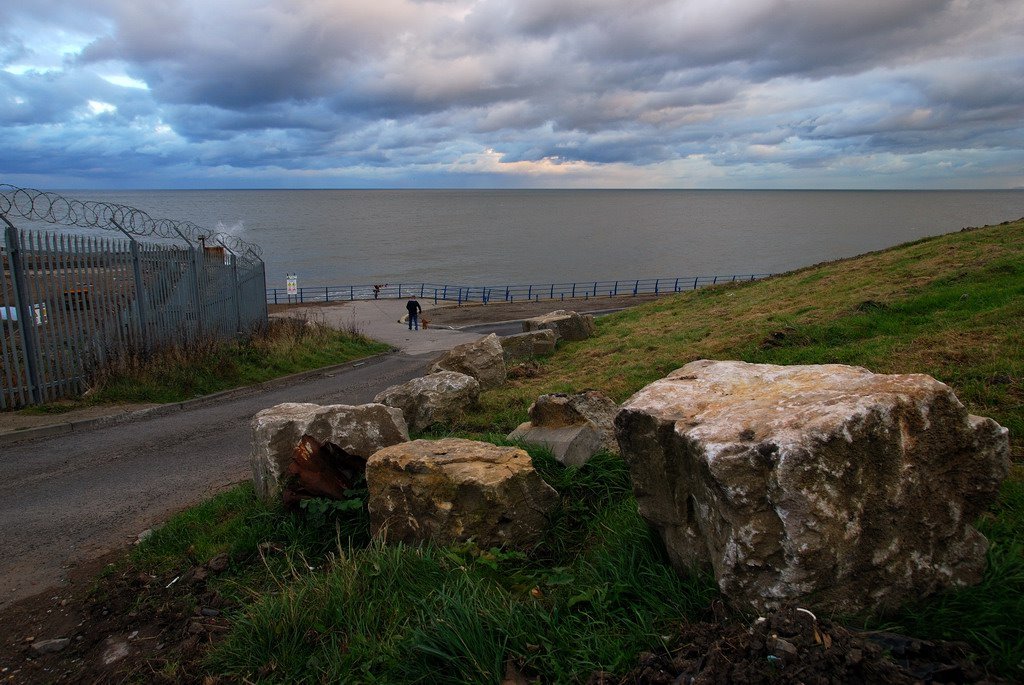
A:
{"x":501,"y":237}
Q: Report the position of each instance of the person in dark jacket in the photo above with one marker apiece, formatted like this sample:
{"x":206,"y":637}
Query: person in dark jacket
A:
{"x":414,"y":313}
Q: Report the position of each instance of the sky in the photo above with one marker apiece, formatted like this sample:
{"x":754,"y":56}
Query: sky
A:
{"x":512,"y":93}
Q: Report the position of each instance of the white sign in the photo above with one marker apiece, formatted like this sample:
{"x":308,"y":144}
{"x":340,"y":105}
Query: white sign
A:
{"x":38,"y":312}
{"x":292,"y":282}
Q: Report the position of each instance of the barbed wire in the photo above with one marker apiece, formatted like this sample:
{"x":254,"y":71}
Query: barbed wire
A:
{"x":38,"y":205}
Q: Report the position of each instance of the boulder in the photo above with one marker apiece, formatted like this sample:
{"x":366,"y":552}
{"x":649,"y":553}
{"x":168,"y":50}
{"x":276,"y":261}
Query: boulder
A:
{"x":454,"y":490}
{"x":482,"y":359}
{"x":526,"y":345}
{"x":441,"y":397}
{"x":828,"y":485}
{"x":574,"y":427}
{"x":566,"y":325}
{"x":357,"y":430}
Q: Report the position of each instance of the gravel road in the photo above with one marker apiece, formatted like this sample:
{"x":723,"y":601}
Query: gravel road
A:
{"x":72,"y":498}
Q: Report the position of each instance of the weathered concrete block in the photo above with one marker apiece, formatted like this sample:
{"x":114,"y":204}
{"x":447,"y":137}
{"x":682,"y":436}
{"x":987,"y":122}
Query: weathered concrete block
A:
{"x":571,"y":445}
{"x":358,"y":430}
{"x":441,"y":397}
{"x":453,"y":490}
{"x":574,"y":427}
{"x":526,"y":345}
{"x":827,"y":485}
{"x":483,"y":359}
{"x":566,"y":325}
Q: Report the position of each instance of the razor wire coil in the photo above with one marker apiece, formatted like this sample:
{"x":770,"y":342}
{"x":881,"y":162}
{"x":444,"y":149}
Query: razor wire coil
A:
{"x":50,"y":207}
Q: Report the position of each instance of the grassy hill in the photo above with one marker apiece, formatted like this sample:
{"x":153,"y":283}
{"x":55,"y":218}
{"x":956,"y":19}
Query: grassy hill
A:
{"x":310,"y":598}
{"x":951,"y":307}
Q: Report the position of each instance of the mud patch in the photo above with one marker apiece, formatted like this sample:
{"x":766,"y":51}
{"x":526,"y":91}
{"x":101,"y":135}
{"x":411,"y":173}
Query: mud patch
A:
{"x":793,"y":646}
{"x":126,"y":626}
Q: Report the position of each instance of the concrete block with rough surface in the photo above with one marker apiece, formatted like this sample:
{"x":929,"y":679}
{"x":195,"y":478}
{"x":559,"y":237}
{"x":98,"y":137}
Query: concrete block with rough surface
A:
{"x":566,"y":325}
{"x":358,"y":430}
{"x":454,"y":490}
{"x":828,"y":486}
{"x":482,"y":359}
{"x":440,"y":397}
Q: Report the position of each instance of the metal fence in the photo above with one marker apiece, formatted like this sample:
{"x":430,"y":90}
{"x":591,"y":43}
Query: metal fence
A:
{"x":503,"y":293}
{"x":71,"y":303}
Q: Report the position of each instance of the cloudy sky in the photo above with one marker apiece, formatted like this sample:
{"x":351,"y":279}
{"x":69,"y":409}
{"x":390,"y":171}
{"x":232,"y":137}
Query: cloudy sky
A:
{"x":512,"y":93}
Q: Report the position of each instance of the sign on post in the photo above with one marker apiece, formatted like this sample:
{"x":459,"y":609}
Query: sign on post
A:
{"x":292,"y":281}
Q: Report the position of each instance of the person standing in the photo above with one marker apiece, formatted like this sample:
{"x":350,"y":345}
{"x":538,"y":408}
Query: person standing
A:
{"x":414,"y":313}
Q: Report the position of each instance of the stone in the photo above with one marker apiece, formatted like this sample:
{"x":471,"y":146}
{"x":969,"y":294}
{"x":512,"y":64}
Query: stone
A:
{"x":528,"y":345}
{"x":828,"y":486}
{"x":482,"y":359}
{"x":114,"y":649}
{"x":441,"y":397}
{"x":567,"y":325}
{"x":574,"y":427}
{"x":456,"y":490}
{"x":51,"y":646}
{"x":570,"y":445}
{"x":358,"y":430}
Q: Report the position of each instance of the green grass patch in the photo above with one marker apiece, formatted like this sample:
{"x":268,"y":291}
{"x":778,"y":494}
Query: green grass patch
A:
{"x":330,"y":606}
{"x":283,"y":347}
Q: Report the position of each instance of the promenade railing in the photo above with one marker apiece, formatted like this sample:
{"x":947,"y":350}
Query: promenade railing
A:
{"x":446,"y":292}
{"x":72,"y":301}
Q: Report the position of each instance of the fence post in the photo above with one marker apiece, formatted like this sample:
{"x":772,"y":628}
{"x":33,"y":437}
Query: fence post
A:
{"x":552,"y":295}
{"x":236,"y":296}
{"x":140,"y":288}
{"x":140,"y":295}
{"x":263,"y":280}
{"x":675,"y":288}
{"x":196,"y":301}
{"x":26,"y":317}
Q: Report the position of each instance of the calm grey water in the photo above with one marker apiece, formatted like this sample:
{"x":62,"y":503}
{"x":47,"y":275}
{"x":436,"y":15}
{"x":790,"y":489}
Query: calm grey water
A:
{"x":493,"y":237}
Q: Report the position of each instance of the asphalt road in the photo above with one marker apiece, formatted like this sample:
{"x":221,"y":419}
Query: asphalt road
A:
{"x":72,"y":498}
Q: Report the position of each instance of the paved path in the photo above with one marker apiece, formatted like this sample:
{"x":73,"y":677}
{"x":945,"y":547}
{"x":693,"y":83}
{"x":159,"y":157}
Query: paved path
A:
{"x":380,"y":320}
{"x":71,"y":498}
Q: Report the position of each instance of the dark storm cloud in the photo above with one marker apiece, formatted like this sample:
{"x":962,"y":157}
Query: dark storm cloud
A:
{"x":650,"y":91}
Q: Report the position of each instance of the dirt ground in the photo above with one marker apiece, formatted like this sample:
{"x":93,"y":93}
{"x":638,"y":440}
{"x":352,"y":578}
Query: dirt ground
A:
{"x":134,"y":627}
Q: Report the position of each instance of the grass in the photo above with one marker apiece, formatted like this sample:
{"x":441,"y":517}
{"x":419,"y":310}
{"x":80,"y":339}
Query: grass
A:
{"x":330,"y":607}
{"x":949,"y":307}
{"x":335,"y":606}
{"x":283,"y":347}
